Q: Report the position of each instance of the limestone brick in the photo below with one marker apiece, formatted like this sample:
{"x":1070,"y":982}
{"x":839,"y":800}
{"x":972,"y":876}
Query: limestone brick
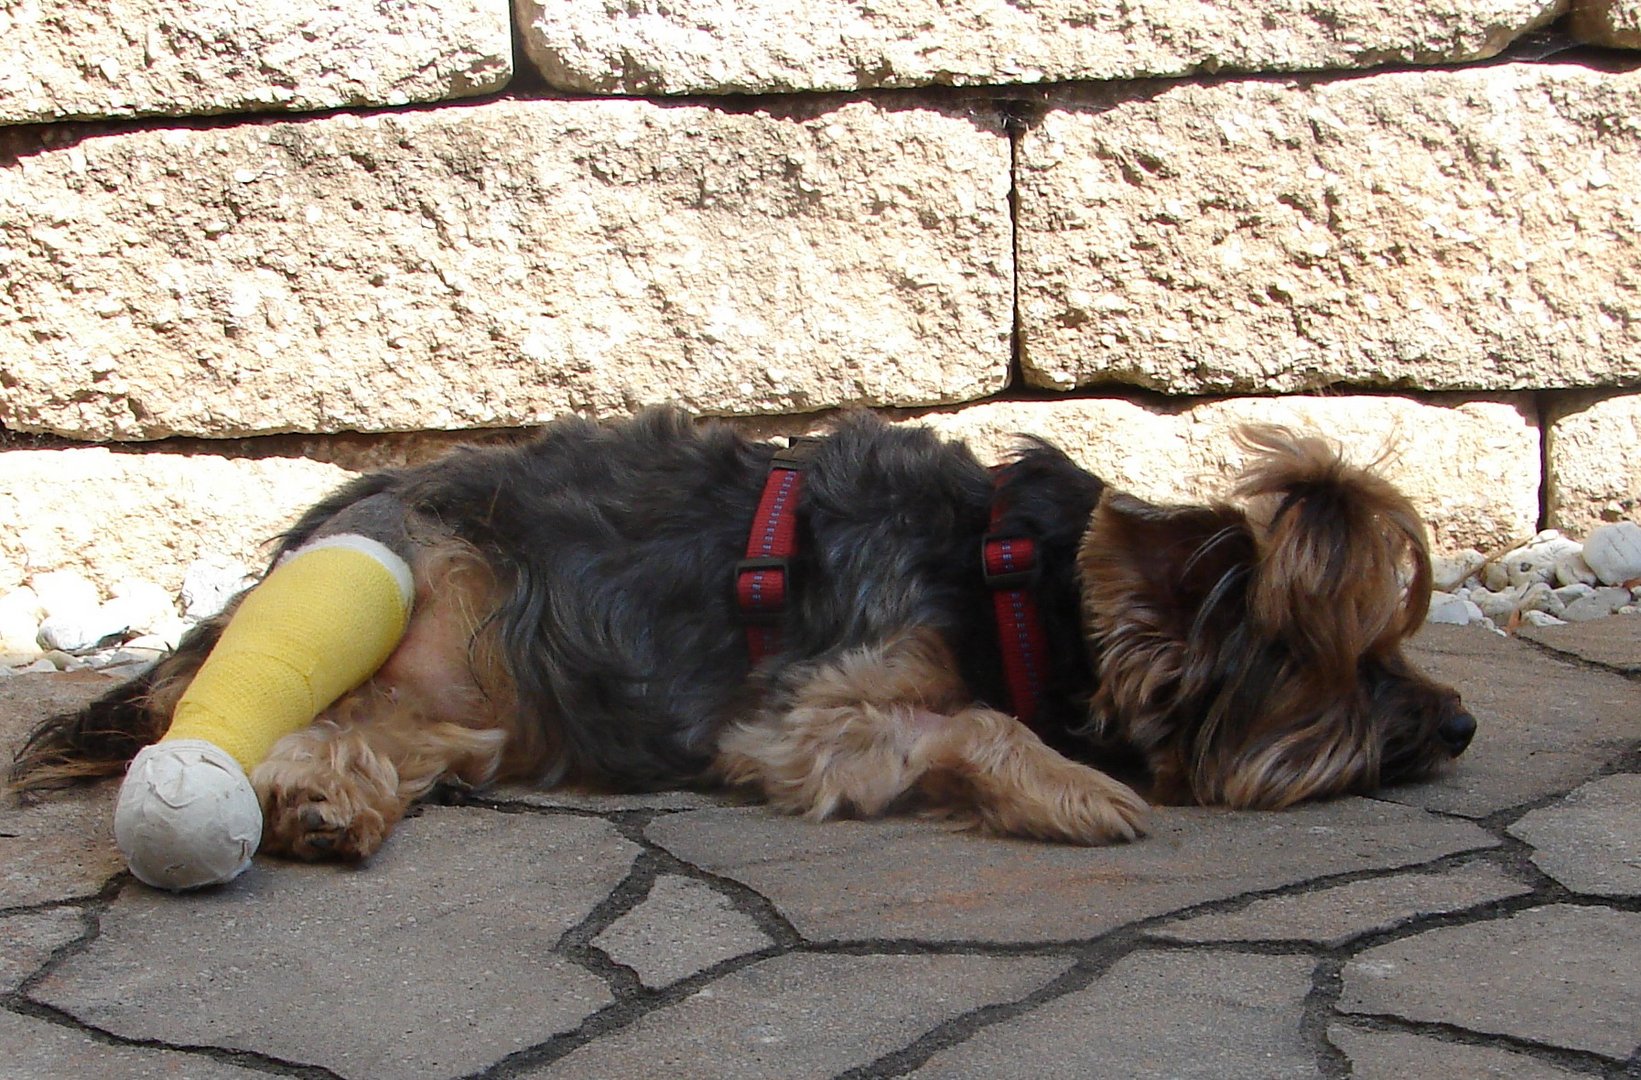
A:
{"x":72,"y":59}
{"x":1473,"y":228}
{"x":499,"y":264}
{"x":111,"y":515}
{"x":723,"y":46}
{"x":1593,"y":454}
{"x":1470,"y":466}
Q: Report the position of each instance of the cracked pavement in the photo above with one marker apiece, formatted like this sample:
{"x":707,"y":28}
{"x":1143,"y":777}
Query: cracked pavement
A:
{"x":1484,"y":924}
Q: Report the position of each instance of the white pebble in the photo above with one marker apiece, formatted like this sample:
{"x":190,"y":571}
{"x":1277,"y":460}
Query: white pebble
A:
{"x":1451,"y":571}
{"x":64,"y":591}
{"x":20,"y":614}
{"x":41,"y":666}
{"x":1453,"y":610}
{"x":1498,"y":606}
{"x":1570,"y":594}
{"x":1541,"y":618}
{"x":1597,"y":605}
{"x":145,"y":605}
{"x":1614,"y":552}
{"x":209,"y":583}
{"x":1571,"y":569}
{"x":77,"y":632}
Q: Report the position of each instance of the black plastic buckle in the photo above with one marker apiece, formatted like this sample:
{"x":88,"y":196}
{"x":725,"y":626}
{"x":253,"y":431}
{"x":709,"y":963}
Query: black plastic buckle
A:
{"x":797,"y":452}
{"x":1023,"y":577}
{"x":764,"y":614}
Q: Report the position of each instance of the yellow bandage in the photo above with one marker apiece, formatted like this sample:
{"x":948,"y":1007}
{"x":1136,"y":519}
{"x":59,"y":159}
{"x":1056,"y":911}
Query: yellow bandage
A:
{"x":320,"y":624}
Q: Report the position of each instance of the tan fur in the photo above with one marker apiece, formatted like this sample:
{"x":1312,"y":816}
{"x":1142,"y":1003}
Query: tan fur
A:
{"x":890,"y":725}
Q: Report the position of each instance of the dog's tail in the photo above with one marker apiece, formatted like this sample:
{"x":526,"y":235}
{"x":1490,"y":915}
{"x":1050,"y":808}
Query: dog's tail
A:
{"x":101,"y":738}
{"x":1344,"y":565}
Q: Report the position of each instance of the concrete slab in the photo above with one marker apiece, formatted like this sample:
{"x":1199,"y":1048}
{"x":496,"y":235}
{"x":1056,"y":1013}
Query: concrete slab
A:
{"x":683,"y":927}
{"x":1148,"y":1018}
{"x":28,"y":940}
{"x":1559,"y":975}
{"x":1333,"y":916}
{"x":1611,"y":643}
{"x":913,"y":880}
{"x":1391,"y":1055}
{"x":40,"y":1050}
{"x":1545,"y":726}
{"x":806,"y":1015}
{"x":530,"y":933}
{"x":433,"y":960}
{"x":1591,"y":840}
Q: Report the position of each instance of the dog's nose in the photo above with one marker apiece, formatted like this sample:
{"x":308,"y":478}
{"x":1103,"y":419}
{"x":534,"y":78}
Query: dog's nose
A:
{"x":1456,"y":731}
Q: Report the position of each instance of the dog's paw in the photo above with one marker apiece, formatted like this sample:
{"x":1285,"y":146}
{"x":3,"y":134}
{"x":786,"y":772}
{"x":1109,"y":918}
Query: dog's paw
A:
{"x":332,"y":816}
{"x":1071,"y":804}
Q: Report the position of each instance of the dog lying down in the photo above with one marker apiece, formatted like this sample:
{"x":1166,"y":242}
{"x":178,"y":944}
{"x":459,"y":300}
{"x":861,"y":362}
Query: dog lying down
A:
{"x":860,"y":623}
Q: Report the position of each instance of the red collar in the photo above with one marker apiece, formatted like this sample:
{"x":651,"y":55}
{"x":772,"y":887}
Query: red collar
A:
{"x":763,"y":580}
{"x":1012,"y":566}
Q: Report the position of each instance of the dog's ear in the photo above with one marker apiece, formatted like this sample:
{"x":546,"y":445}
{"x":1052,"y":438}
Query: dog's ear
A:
{"x":1162,"y":586}
{"x":1173,"y":566}
{"x":1344,"y":566}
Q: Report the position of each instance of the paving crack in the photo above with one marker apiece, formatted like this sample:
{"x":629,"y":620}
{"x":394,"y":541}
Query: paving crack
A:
{"x":1582,"y":1061}
{"x":1084,"y":973}
{"x":243,"y":1059}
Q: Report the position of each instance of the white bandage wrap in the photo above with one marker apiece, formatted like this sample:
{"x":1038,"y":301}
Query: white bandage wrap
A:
{"x":187,"y":816}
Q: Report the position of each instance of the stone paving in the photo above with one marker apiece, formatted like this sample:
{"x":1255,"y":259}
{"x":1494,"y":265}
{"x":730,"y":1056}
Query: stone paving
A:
{"x":1484,"y":925}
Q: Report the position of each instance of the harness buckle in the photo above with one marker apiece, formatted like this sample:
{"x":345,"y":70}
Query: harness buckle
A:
{"x":1009,"y":562}
{"x":763,"y":601}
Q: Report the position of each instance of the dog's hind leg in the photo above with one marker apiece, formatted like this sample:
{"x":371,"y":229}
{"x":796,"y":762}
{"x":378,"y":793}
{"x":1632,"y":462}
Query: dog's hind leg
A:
{"x":875,"y":727}
{"x":441,"y":709}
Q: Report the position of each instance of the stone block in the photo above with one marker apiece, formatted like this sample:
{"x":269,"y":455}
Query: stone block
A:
{"x":500,"y":264}
{"x":1593,"y":460}
{"x":73,"y":60}
{"x":1470,"y":466}
{"x":112,"y":515}
{"x":1466,"y":229}
{"x":719,"y":47}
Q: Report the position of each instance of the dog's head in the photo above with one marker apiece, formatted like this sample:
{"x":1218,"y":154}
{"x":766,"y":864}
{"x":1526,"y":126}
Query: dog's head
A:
{"x":1252,"y":652}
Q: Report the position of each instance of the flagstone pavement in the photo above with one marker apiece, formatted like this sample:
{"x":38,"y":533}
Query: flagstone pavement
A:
{"x":1487,"y":924}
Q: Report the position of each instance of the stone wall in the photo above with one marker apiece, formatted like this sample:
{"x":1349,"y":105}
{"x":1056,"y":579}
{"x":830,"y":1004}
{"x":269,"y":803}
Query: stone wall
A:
{"x":247,"y":250}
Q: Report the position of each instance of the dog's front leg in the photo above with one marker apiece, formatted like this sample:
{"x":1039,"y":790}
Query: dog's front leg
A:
{"x":987,"y":763}
{"x":864,"y":732}
{"x":335,"y":789}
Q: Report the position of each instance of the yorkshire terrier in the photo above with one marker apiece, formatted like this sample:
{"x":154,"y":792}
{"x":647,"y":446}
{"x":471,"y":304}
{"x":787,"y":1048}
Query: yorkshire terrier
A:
{"x":862,"y":622}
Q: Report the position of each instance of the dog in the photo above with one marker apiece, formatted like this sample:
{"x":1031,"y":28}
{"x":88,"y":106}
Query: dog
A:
{"x":1001,"y":646}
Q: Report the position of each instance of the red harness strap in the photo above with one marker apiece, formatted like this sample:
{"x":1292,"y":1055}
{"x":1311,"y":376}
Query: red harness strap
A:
{"x":1011,"y":567}
{"x":763,"y":580}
